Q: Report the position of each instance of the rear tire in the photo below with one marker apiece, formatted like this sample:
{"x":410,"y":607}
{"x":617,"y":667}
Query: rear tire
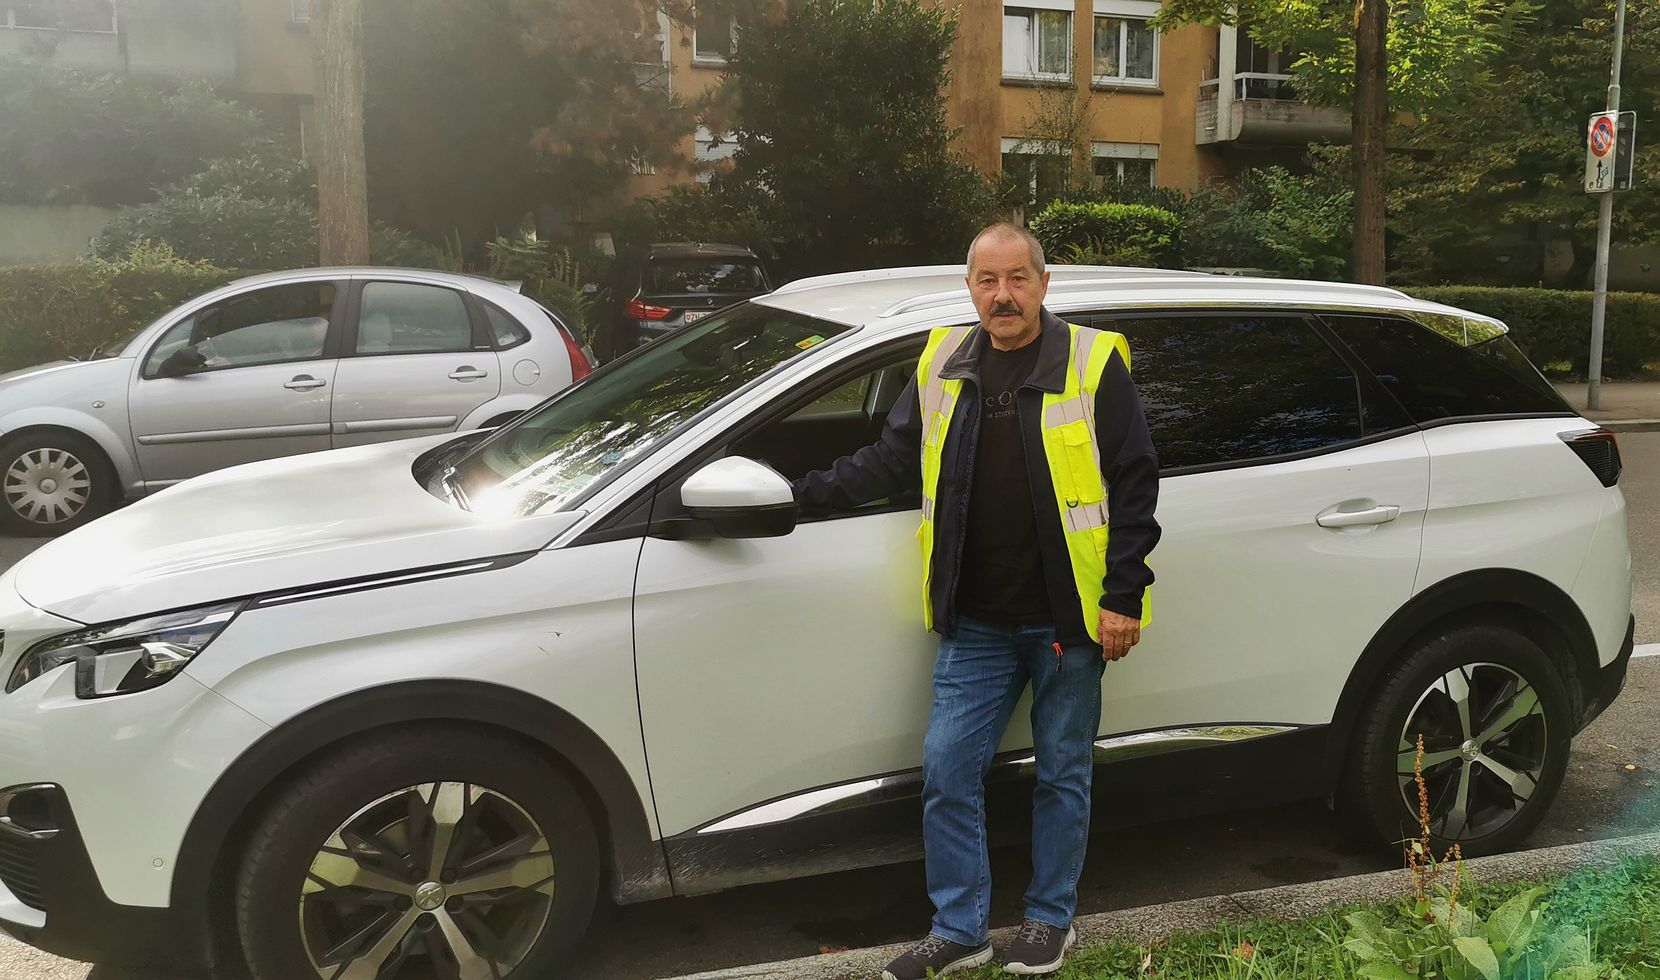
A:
{"x":1505,"y":764}
{"x":336,"y":872}
{"x":52,"y":482}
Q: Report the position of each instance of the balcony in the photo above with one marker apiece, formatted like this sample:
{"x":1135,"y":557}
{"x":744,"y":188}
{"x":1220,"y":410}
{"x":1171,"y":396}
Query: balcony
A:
{"x":1263,"y":109}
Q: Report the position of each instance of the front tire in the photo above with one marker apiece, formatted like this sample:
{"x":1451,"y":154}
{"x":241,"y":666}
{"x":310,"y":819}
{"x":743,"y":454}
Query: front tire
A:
{"x":1497,"y":724}
{"x":52,"y":482}
{"x":414,"y":853}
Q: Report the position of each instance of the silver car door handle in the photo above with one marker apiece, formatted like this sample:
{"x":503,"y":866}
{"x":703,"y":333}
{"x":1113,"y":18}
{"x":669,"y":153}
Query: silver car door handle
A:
{"x":304,"y":382}
{"x":1381,"y":514}
{"x":467,"y":372}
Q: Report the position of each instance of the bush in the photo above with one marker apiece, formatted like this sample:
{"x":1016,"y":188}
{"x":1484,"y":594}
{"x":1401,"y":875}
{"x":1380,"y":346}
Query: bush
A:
{"x":1115,"y":234}
{"x":1553,"y":326}
{"x":224,"y":228}
{"x":72,"y":137}
{"x":50,"y":312}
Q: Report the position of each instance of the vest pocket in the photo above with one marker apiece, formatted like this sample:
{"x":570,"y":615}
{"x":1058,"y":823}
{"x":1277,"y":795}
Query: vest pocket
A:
{"x":1077,"y":444}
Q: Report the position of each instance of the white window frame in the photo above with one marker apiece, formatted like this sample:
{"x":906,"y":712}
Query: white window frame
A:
{"x":9,"y":23}
{"x":1125,"y":10}
{"x":1029,"y":9}
{"x":299,"y":11}
{"x":1032,"y":148}
{"x":714,"y":60}
{"x":1122,"y":152}
{"x":706,"y":156}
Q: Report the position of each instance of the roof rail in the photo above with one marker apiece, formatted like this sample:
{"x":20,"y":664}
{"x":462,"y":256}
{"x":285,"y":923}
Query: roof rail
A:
{"x":1232,"y":284}
{"x":869,"y":275}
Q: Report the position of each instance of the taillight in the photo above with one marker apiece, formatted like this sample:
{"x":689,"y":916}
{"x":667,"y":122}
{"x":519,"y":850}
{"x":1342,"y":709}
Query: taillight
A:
{"x":637,"y":310}
{"x":581,"y":364}
{"x":1598,"y":449}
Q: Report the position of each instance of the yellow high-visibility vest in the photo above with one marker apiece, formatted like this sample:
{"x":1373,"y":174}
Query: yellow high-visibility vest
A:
{"x":1069,"y":446}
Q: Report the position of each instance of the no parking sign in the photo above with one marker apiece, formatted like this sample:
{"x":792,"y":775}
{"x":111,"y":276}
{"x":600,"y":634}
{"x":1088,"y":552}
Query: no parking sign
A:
{"x":1608,"y":152}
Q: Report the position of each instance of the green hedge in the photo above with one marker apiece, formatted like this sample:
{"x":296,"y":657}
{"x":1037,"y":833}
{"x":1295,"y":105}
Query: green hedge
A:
{"x":1553,"y":326}
{"x":1127,"y":234}
{"x":50,"y":312}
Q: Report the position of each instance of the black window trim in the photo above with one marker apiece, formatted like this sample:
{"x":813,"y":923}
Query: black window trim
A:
{"x":331,"y":339}
{"x":1337,"y":339}
{"x":477,"y":327}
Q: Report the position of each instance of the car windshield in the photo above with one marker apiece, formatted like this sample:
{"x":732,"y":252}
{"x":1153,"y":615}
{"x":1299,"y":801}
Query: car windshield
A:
{"x":564,"y":448}
{"x":113,"y":348}
{"x":704,"y":274}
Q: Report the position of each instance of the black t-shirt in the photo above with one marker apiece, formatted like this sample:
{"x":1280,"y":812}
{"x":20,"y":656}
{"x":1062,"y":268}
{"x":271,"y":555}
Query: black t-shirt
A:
{"x":1002,"y":570}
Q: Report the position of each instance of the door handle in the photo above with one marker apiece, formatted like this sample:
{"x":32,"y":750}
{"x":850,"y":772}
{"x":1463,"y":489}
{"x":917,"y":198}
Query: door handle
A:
{"x":467,"y":372}
{"x":1381,"y":514}
{"x":304,"y":382}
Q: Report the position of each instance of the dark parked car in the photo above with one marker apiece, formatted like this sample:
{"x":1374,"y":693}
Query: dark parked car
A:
{"x":672,"y":284}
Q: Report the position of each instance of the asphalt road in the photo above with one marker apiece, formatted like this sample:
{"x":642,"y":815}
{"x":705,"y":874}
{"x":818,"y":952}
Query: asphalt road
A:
{"x":1601,"y":798}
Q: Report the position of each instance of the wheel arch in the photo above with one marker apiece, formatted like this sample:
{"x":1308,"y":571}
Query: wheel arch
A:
{"x":1538,"y":608}
{"x":216,"y":833}
{"x":114,"y":448}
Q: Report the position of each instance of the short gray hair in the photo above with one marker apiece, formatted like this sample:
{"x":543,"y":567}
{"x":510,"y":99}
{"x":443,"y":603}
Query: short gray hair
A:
{"x":1008,"y":229}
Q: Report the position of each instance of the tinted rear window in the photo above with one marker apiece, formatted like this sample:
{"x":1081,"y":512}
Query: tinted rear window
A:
{"x":704,"y":274}
{"x":1435,"y":378}
{"x":1228,"y":389}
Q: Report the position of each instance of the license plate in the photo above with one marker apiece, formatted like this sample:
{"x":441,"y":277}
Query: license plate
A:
{"x":692,"y":316}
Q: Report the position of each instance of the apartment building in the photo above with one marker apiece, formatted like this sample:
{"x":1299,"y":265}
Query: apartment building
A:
{"x":258,"y":49}
{"x":1167,"y":109}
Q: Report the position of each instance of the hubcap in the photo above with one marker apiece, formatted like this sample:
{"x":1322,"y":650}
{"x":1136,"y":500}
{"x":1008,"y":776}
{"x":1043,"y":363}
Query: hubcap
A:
{"x":47,"y":486}
{"x":453,"y":878}
{"x":1485,"y":746}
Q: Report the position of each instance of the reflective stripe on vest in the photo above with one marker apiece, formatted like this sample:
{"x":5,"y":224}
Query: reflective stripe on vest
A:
{"x":1070,"y":449}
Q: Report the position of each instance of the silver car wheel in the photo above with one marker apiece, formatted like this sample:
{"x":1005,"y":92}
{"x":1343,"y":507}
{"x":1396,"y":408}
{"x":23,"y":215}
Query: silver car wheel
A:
{"x":1485,"y":746}
{"x":452,"y":874}
{"x":47,"y":486}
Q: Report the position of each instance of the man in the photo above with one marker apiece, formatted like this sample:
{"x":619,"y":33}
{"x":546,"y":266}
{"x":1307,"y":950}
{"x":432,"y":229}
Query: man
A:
{"x":1034,"y":435}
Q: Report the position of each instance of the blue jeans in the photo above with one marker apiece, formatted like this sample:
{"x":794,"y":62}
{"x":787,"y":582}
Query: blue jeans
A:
{"x":980,"y":674}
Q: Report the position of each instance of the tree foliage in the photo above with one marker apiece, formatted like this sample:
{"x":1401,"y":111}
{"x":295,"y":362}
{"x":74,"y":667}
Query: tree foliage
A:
{"x":73,"y":137}
{"x":507,"y":105}
{"x":1439,"y":50}
{"x":865,"y":172}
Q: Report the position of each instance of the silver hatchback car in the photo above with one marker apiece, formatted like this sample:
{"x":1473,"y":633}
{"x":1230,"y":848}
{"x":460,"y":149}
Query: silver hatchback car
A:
{"x":268,"y":366}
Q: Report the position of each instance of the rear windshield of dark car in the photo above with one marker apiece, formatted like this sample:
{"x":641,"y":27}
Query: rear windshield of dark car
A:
{"x":704,"y":274}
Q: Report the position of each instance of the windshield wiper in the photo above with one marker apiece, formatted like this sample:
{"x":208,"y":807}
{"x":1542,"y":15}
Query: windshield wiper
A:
{"x":458,"y":496}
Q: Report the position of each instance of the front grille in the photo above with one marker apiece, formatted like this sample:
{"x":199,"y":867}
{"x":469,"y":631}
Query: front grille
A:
{"x":18,"y":869}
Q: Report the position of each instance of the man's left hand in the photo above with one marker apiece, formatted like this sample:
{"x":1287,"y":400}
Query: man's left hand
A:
{"x":1118,"y":633}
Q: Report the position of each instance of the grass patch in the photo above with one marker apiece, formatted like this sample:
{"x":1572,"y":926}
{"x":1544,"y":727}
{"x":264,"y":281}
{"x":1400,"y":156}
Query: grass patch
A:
{"x":1616,"y":909}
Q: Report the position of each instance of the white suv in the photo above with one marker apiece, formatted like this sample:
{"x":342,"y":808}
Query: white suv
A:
{"x":349,"y":713}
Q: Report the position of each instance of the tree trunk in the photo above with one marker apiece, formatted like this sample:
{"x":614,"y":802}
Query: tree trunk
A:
{"x":342,"y":182}
{"x":1371,"y":121}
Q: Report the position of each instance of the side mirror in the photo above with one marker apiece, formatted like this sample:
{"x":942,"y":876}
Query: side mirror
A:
{"x":741,"y":498}
{"x":185,"y":360}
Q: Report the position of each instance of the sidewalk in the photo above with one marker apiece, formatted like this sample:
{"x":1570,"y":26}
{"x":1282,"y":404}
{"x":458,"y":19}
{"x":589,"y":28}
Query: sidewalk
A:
{"x":1627,"y":406}
{"x":1155,"y":921}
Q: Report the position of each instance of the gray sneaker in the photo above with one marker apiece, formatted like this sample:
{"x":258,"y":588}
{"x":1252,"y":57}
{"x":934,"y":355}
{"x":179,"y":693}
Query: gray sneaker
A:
{"x":1039,"y":948}
{"x":939,"y":955}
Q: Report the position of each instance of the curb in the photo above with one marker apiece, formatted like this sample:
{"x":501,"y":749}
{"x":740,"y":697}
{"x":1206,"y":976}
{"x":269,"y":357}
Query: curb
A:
{"x":1287,"y":901}
{"x":1630,"y":425}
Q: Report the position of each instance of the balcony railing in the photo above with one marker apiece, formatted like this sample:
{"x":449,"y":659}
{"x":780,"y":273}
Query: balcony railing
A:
{"x":1264,"y":108}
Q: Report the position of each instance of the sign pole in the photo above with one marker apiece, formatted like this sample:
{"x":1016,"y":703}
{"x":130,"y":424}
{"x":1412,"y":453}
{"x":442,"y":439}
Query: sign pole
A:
{"x":1605,"y":221}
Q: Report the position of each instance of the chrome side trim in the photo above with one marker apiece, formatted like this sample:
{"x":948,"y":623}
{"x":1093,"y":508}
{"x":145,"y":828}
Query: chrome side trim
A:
{"x":864,"y":792}
{"x":219,"y":435}
{"x":397,"y":425}
{"x":383,"y":581}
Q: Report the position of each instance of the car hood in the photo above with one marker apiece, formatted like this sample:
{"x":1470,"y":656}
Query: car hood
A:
{"x":268,"y":526}
{"x":63,"y":382}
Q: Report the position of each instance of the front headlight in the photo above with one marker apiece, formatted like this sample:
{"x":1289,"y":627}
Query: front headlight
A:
{"x":120,"y":658}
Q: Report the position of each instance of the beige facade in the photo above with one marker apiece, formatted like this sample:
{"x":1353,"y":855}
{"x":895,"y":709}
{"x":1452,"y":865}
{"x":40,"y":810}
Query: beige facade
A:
{"x":1146,"y":106}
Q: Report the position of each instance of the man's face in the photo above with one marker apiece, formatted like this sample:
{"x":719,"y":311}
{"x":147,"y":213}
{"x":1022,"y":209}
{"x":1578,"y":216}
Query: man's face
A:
{"x":1007,"y":290}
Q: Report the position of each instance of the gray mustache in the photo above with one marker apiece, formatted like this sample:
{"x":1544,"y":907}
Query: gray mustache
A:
{"x":1009,"y":308}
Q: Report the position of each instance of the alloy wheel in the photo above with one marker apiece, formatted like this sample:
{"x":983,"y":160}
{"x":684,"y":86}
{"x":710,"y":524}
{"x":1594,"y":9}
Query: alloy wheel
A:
{"x":440,"y":879}
{"x":47,"y":486}
{"x":1486,"y":739}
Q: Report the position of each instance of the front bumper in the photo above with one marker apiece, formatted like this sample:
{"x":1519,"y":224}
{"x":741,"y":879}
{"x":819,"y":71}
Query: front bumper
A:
{"x":50,"y":896}
{"x":1609,"y":681}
